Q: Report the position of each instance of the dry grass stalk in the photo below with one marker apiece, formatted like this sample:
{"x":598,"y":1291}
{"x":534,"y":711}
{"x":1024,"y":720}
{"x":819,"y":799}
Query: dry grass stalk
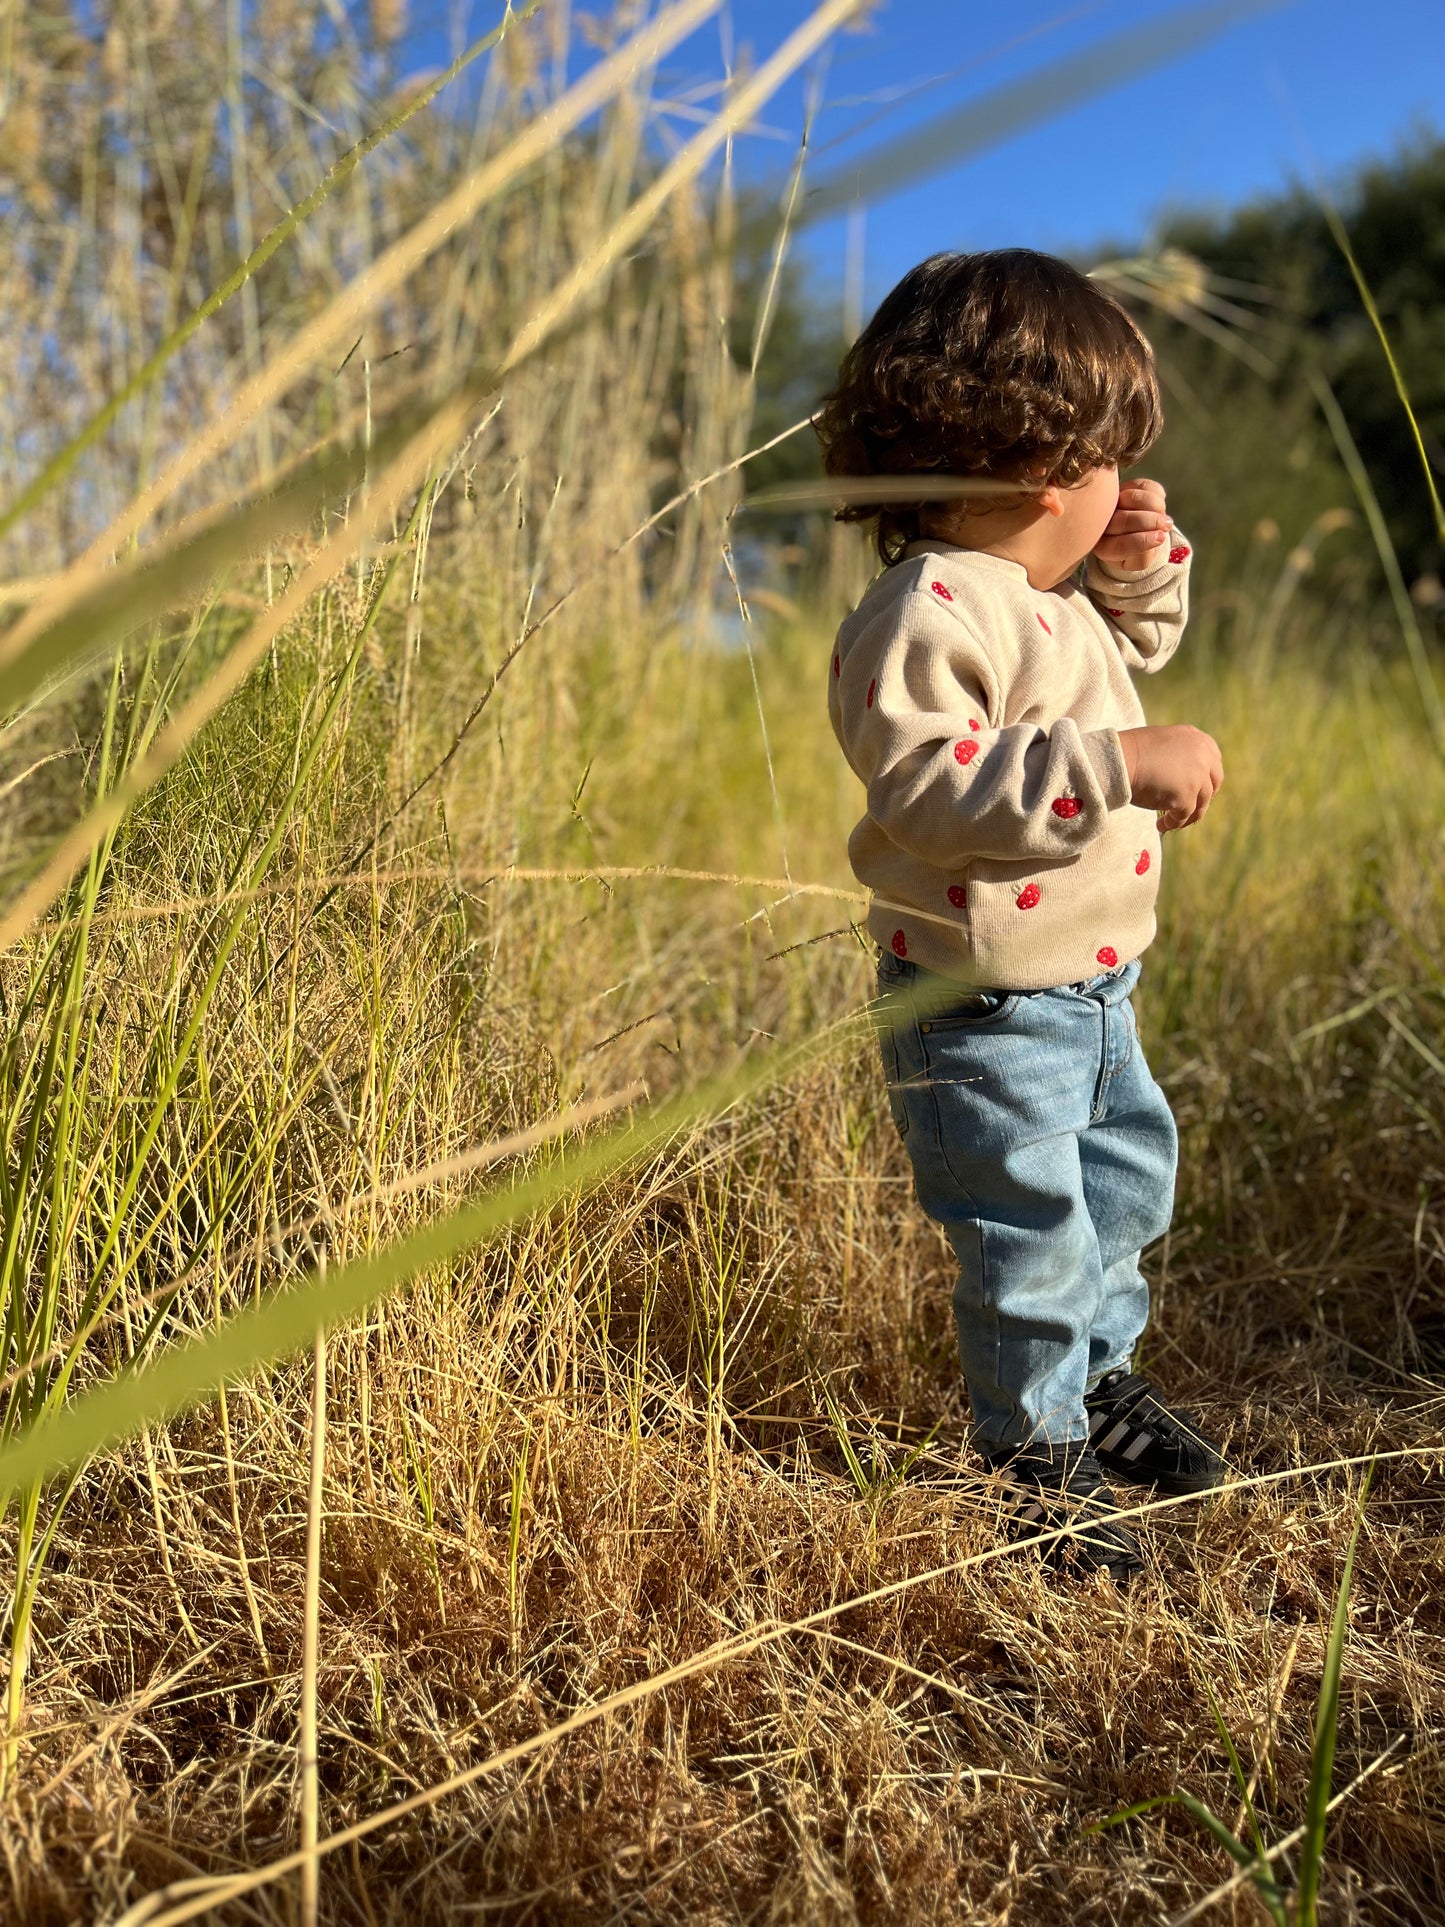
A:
{"x":307,"y":1758}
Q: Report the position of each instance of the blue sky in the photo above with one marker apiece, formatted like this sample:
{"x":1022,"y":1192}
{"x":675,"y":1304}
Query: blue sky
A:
{"x":1321,"y":83}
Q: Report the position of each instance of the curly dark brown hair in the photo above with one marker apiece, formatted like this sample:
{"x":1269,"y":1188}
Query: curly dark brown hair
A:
{"x":1008,"y":364}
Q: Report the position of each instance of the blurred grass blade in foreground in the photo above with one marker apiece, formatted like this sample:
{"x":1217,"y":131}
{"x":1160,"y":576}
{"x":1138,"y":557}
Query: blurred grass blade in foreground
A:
{"x":976,"y":125}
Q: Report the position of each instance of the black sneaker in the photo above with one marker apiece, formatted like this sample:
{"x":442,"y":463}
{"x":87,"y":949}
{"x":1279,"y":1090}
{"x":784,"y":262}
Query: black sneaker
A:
{"x":1137,"y":1437}
{"x":1059,"y":1485}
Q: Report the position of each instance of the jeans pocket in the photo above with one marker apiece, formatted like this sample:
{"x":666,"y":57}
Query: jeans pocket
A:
{"x":972,"y":1010}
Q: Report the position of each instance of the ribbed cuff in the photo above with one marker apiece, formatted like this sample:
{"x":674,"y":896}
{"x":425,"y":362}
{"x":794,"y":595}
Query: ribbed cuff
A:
{"x":1153,"y":576}
{"x":1106,"y":754}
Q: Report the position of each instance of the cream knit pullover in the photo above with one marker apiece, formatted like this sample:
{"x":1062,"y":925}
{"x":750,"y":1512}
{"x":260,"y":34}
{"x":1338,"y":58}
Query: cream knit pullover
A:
{"x":983,"y":717}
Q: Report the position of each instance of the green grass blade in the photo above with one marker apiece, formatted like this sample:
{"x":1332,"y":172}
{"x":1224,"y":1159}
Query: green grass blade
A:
{"x":65,"y":459}
{"x":1322,"y":1754}
{"x":1132,"y":1812}
{"x":1253,"y":1862}
{"x":1385,"y":548}
{"x":1231,"y":1843}
{"x":976,"y":125}
{"x":1236,"y":1768}
{"x":857,"y":1471}
{"x":1342,"y":242}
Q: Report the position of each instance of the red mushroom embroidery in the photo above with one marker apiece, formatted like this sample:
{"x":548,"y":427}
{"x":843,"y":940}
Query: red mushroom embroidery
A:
{"x":965,"y":751}
{"x":872,"y":687}
{"x":1066,"y":806}
{"x":974,"y":723}
{"x":900,"y":947}
{"x":1043,"y":625}
{"x":1108,"y":956}
{"x":957,"y":895}
{"x":1027,"y":897}
{"x":939,"y":590}
{"x":1143,"y":864}
{"x":1117,"y":614}
{"x":1178,"y":554}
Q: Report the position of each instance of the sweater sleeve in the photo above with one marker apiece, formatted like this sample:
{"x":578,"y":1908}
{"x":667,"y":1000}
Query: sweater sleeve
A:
{"x":1146,"y":608}
{"x":916,"y":707}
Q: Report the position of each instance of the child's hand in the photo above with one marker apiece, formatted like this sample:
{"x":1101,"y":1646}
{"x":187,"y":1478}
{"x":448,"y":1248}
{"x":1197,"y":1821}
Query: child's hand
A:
{"x":1174,"y":769}
{"x":1138,"y":526}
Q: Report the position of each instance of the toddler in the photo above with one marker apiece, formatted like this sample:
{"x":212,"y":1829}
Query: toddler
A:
{"x":982,"y":693}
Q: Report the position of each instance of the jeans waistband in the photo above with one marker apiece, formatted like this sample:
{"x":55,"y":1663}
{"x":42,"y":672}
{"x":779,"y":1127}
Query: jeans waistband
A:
{"x":1122,"y":978}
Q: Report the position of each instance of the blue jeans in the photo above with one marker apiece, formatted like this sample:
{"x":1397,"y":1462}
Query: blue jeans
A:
{"x":1042,"y":1145}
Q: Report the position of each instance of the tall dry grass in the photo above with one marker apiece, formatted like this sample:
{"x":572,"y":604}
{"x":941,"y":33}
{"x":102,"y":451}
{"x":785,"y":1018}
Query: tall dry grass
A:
{"x":644,"y":1567}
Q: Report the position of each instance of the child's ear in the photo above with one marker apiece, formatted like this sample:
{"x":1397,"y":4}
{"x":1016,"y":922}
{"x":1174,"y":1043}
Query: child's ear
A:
{"x":1051,"y":499}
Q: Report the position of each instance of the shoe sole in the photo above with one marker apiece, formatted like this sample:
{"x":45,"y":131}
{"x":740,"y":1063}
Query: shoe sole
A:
{"x":1164,"y":1482}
